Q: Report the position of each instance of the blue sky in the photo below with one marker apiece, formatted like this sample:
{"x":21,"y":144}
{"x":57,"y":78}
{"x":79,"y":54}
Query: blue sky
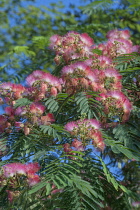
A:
{"x":66,"y":3}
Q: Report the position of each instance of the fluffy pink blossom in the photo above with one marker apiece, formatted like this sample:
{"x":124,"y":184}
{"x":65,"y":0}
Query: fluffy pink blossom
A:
{"x":78,"y":145}
{"x":37,"y":108}
{"x":47,"y":119}
{"x":109,"y":79}
{"x":125,"y":34}
{"x":9,"y":111}
{"x":136,"y":48}
{"x":39,"y":75}
{"x":119,"y":46}
{"x":33,"y":179}
{"x":11,"y":91}
{"x":21,"y":111}
{"x":94,"y":123}
{"x":70,"y":126}
{"x":115,"y":100}
{"x":5,"y":88}
{"x":78,"y":68}
{"x":71,"y":46}
{"x":86,"y":39}
{"x":42,"y":84}
{"x":17,"y":90}
{"x":32,"y":167}
{"x":91,"y":75}
{"x":79,"y":76}
{"x":12,"y":169}
{"x":26,"y":130}
{"x":110,"y":72}
{"x":99,"y":62}
{"x":87,"y":129}
{"x":53,"y":91}
{"x":55,"y":40}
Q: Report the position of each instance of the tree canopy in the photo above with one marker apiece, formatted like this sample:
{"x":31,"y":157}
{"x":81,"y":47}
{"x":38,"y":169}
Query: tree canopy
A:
{"x":70,"y":95}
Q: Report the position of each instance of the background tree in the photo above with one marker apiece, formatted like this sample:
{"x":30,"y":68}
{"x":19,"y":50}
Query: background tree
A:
{"x":22,"y":22}
{"x":85,"y":175}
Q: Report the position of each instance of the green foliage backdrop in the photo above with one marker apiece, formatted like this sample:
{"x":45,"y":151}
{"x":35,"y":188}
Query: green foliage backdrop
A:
{"x":85,"y":177}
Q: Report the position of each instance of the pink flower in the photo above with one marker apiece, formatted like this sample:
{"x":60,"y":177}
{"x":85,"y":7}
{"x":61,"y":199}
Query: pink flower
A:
{"x":100,"y":145}
{"x":55,"y":40}
{"x":53,"y":91}
{"x":18,"y":90}
{"x":71,"y":46}
{"x":32,"y":167}
{"x":37,"y":108}
{"x":66,"y":147}
{"x":116,"y":100}
{"x":33,"y":179}
{"x":9,"y":111}
{"x":125,"y":34}
{"x":21,"y":111}
{"x":94,"y":123}
{"x":96,"y":135}
{"x":136,"y":48}
{"x":35,"y":76}
{"x":47,"y":119}
{"x":78,"y":145}
{"x":100,"y":62}
{"x":12,"y":169}
{"x":26,"y":130}
{"x":67,"y":69}
{"x":42,"y":83}
{"x":86,"y":39}
{"x":28,"y":170}
{"x":121,"y":46}
{"x":110,"y":72}
{"x":5,"y":88}
{"x":70,"y":126}
{"x":104,"y":61}
{"x":91,"y":76}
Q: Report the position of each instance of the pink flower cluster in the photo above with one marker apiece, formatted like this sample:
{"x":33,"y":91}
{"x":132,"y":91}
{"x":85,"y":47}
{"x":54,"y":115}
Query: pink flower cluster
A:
{"x":14,"y":173}
{"x":29,"y":170}
{"x":116,"y":104}
{"x":85,"y":70}
{"x":96,"y":72}
{"x":76,"y":145}
{"x":80,"y":76}
{"x":85,"y":130}
{"x":71,"y":46}
{"x":118,"y":43}
{"x":40,"y":86}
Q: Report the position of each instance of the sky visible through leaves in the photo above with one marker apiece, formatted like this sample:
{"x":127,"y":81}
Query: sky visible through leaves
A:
{"x":67,"y":7}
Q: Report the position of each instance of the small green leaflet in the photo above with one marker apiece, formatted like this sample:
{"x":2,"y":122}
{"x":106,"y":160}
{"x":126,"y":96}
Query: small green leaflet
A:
{"x":22,"y":102}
